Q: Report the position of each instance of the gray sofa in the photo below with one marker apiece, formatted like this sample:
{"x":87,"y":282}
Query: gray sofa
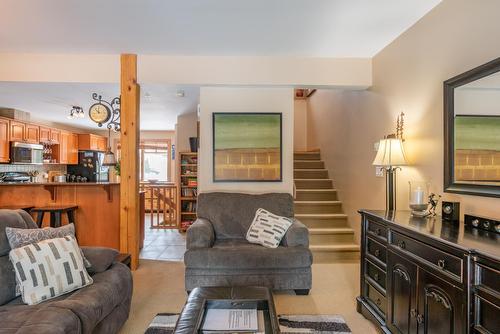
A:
{"x":102,"y":307}
{"x":219,"y":255}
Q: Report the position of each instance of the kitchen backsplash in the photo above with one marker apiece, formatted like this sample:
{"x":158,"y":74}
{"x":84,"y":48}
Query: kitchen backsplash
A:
{"x":26,"y":168}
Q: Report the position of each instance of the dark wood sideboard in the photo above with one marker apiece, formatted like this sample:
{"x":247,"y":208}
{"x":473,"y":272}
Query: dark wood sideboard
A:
{"x":427,"y":275}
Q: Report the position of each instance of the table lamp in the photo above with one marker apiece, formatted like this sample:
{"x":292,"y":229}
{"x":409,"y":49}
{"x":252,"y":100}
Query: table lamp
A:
{"x":390,"y":155}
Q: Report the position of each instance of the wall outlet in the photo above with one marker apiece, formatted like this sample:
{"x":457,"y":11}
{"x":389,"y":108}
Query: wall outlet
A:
{"x":379,"y":171}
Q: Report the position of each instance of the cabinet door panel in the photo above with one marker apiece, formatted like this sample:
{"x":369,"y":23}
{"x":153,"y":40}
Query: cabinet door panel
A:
{"x":17,"y":131}
{"x":4,"y":140}
{"x":32,"y":133}
{"x":44,"y":134}
{"x":401,"y":293}
{"x":441,"y":306}
{"x":73,"y":149}
{"x":55,"y":136}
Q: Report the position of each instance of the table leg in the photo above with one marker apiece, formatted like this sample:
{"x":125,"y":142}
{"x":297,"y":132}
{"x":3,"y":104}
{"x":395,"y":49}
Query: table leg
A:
{"x":39,"y":218}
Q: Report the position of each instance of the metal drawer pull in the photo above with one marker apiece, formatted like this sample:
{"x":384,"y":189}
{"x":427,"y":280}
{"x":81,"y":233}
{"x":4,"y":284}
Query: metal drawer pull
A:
{"x":441,"y":264}
{"x":413,"y":312}
{"x":402,"y":274}
{"x":377,"y":231}
{"x":401,"y":244}
{"x":420,"y":319}
{"x":377,"y":252}
{"x":378,"y":301}
{"x":438,"y":299}
{"x":376,"y":277}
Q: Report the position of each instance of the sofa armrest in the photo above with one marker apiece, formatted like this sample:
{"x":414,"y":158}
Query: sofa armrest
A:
{"x":297,"y":235}
{"x":200,"y":235}
{"x":100,"y":258}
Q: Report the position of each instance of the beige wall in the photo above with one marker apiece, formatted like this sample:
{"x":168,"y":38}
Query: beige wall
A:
{"x":300,"y":125}
{"x":245,"y":100}
{"x":186,"y":127}
{"x":408,"y":76}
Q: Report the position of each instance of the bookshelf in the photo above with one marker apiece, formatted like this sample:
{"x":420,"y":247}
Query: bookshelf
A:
{"x":188,"y":188}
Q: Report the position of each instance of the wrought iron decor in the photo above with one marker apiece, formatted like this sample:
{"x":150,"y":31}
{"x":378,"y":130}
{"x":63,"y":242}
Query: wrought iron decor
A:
{"x":76,"y":112}
{"x":114,"y":109}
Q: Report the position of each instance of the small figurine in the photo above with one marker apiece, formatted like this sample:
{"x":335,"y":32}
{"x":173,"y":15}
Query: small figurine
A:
{"x":433,"y":201}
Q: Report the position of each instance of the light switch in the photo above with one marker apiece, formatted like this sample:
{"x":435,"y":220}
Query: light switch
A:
{"x":379,"y":171}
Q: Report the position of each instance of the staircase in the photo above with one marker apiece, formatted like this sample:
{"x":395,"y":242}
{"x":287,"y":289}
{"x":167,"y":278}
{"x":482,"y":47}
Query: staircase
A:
{"x":317,"y":206}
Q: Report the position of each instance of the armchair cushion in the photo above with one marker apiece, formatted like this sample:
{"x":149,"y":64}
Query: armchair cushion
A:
{"x":200,"y":234}
{"x":100,"y":258}
{"x":297,"y":235}
{"x":231,"y":214}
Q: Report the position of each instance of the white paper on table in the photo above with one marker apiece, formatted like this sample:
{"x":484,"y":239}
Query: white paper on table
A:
{"x":230,"y":319}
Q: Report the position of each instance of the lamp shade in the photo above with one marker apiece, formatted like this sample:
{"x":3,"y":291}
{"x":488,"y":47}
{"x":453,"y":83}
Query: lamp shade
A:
{"x":109,"y":159}
{"x":390,"y":153}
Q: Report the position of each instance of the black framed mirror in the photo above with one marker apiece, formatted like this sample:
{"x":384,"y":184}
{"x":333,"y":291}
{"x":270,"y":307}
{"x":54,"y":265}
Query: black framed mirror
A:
{"x":472,"y":131}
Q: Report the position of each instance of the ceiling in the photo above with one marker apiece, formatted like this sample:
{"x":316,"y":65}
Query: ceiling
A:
{"x":322,"y":28}
{"x":52,"y":102}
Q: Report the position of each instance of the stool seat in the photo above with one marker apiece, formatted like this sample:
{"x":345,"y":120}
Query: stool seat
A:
{"x":56,"y":212}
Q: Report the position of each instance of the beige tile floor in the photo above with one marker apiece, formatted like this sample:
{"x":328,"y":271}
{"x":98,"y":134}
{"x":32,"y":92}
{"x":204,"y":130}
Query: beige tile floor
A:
{"x":159,"y":287}
{"x":163,"y":244}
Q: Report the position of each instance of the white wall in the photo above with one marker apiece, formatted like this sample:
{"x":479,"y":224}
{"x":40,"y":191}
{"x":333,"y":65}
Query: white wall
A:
{"x":221,"y":99}
{"x":300,"y":125}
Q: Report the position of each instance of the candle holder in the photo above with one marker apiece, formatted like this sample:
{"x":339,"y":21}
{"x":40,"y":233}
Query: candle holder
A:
{"x":419,"y":198}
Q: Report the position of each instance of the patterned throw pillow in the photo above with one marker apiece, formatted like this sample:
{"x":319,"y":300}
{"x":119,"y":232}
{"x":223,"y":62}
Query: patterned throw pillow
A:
{"x":48,"y":269}
{"x":268,"y":229}
{"x":19,"y":237}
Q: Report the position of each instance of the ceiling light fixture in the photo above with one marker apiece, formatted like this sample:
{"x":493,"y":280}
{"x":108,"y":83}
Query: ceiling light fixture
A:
{"x":76,"y":112}
{"x":179,"y":93}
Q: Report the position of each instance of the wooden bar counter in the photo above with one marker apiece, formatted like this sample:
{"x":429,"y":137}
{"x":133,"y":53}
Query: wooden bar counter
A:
{"x":98,"y":213}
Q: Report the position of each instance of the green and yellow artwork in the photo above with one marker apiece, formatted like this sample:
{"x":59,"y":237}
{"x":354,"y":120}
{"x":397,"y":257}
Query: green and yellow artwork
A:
{"x":477,"y":148}
{"x":247,"y":147}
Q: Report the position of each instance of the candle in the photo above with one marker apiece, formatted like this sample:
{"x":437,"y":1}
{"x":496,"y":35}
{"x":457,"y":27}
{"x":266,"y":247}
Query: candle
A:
{"x":417,"y":196}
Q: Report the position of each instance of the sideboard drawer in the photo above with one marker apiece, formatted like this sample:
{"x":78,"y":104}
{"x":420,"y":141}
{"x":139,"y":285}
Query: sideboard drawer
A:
{"x":443,"y":261}
{"x":377,"y":299}
{"x":486,"y":316}
{"x":487,"y":277}
{"x":377,"y":230}
{"x":376,"y":274}
{"x":376,"y":251}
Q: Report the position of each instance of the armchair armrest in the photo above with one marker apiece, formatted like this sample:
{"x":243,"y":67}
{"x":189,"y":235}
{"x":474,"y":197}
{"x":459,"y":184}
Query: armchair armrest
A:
{"x":100,"y":258}
{"x":297,"y":235}
{"x":200,"y":235}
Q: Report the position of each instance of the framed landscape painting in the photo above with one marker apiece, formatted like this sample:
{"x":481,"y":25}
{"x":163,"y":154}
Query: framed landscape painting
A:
{"x":247,"y":147}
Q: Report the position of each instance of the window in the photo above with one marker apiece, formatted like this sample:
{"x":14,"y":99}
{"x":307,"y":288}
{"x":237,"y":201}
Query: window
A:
{"x":155,"y":162}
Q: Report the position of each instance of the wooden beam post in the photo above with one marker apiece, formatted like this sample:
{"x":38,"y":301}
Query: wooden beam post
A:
{"x":129,"y":138}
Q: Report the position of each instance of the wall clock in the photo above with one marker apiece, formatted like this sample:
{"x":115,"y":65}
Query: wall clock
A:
{"x":99,"y":113}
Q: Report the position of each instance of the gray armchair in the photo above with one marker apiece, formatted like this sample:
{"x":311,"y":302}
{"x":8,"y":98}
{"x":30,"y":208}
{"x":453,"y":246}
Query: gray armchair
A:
{"x":219,"y":255}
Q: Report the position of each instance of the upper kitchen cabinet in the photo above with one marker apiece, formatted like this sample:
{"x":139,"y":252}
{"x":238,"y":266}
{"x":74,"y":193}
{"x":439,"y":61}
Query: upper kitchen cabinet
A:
{"x":32,"y":133}
{"x":55,"y":136}
{"x":4,"y":141}
{"x":90,"y":142}
{"x":62,"y":148}
{"x":73,"y":149}
{"x":44,"y":134}
{"x":17,"y":130}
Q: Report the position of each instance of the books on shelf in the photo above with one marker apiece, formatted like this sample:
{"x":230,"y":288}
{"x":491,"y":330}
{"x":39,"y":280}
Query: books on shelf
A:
{"x":189,"y":192}
{"x":188,"y":206}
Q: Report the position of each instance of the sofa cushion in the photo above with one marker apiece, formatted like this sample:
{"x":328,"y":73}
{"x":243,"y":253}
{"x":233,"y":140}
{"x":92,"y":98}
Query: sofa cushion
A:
{"x":49,"y":268}
{"x":40,"y":319}
{"x":99,"y":258}
{"x":11,"y":218}
{"x":240,"y":254}
{"x":232,"y":213}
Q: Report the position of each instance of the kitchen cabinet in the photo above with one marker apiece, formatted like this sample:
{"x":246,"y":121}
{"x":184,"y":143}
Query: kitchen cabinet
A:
{"x":91,"y":142}
{"x":73,"y":149}
{"x":44,"y":134}
{"x":62,"y":148}
{"x":17,"y":131}
{"x":4,"y":141}
{"x":32,"y":133}
{"x":55,"y":136}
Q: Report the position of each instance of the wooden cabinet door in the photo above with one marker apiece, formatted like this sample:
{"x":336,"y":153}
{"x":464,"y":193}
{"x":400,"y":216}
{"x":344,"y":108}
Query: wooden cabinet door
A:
{"x":94,"y":142}
{"x":73,"y":149}
{"x":402,"y":295}
{"x":44,"y":134}
{"x":441,"y":306}
{"x":4,"y":141}
{"x":63,"y":147}
{"x":55,"y":136}
{"x":102,"y":144}
{"x":17,"y":131}
{"x":32,"y":133}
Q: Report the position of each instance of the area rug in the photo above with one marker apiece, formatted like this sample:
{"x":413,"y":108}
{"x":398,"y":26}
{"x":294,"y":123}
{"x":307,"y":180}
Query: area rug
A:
{"x":164,"y":323}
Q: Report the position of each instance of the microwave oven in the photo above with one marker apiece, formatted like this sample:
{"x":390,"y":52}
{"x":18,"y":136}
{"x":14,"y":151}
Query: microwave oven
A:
{"x":25,"y":153}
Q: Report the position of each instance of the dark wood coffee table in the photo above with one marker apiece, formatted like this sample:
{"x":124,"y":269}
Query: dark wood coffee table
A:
{"x":192,"y":315}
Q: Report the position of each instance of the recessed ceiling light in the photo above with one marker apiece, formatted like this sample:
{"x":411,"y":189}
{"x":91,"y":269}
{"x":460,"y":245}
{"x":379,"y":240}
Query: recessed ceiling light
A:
{"x":180,"y":93}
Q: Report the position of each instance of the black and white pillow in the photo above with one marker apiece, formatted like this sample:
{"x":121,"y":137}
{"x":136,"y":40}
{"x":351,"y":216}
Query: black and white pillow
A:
{"x":48,"y":269}
{"x":267,"y":229}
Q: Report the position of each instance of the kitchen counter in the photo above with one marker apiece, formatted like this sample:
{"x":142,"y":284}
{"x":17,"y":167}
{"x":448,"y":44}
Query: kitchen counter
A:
{"x":58,"y":183}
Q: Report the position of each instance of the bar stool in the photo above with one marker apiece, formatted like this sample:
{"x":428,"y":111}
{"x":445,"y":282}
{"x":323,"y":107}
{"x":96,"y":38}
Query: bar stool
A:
{"x":56,"y":212}
{"x":26,"y":208}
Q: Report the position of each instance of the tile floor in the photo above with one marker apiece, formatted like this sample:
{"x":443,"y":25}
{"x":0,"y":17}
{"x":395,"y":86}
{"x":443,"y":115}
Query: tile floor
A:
{"x":167,"y":245}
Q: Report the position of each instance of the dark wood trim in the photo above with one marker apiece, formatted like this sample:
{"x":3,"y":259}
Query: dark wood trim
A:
{"x":449,"y":86}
